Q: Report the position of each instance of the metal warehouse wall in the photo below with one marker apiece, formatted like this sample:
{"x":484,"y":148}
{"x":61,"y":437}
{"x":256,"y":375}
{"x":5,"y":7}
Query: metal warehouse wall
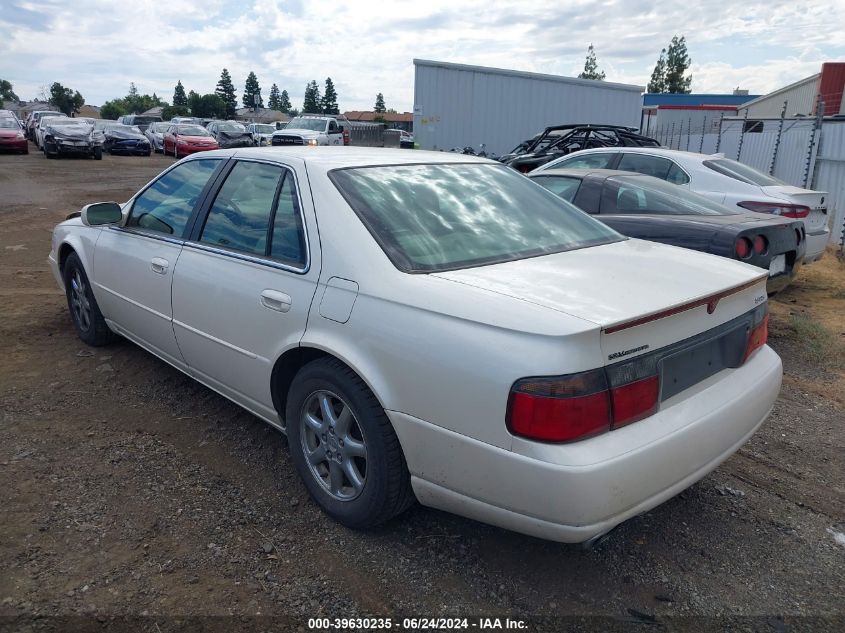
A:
{"x":457,"y":105}
{"x":801,"y":97}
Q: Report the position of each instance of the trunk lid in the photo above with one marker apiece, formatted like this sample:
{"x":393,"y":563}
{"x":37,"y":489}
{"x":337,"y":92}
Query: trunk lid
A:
{"x":643,"y":295}
{"x":816,"y":200}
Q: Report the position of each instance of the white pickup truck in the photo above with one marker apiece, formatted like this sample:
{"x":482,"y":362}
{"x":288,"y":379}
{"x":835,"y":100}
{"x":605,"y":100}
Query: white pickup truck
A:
{"x":314,"y":129}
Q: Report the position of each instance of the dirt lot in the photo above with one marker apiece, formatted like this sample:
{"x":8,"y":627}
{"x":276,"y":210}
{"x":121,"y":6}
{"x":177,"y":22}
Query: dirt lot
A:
{"x":127,"y":489}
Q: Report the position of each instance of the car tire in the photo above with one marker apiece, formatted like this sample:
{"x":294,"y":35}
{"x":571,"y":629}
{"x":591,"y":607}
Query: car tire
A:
{"x":87,"y":319}
{"x":359,"y":443}
{"x":98,"y":153}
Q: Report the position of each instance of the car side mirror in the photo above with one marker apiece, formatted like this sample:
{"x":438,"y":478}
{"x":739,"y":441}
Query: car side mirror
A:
{"x":101,"y":213}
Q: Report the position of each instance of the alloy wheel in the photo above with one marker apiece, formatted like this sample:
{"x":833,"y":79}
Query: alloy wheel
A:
{"x":334,"y":445}
{"x":79,"y":301}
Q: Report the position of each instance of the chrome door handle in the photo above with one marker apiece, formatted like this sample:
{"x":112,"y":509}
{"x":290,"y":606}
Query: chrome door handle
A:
{"x":275,"y":300}
{"x":159,"y":265}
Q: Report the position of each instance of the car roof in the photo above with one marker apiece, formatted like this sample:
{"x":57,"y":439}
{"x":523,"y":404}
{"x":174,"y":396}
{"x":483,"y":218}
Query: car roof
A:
{"x":580,"y":173}
{"x":657,"y":151}
{"x":328,"y":157}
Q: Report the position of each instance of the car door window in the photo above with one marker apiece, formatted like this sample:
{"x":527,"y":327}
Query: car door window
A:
{"x":333,"y":127}
{"x":167,"y":204}
{"x":562,"y":186}
{"x":677,"y":176}
{"x":588,"y":161}
{"x":288,"y":239}
{"x":240,"y":216}
{"x":644,"y":164}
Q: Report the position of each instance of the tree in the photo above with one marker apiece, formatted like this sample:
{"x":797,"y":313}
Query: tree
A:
{"x":311,"y":101}
{"x":591,"y":67}
{"x":168,"y":112}
{"x":226,"y":90}
{"x":658,"y":75}
{"x":113,"y":109}
{"x":135,"y":103}
{"x":284,"y":102}
{"x":252,"y":92}
{"x":6,"y":92}
{"x":677,"y":63}
{"x":179,"y":98}
{"x":65,"y":99}
{"x":273,"y":101}
{"x":379,"y":104}
{"x":210,"y":106}
{"x":329,"y":103}
{"x":672,"y":65}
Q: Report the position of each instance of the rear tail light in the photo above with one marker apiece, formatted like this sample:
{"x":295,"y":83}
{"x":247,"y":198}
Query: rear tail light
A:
{"x":743,"y":248}
{"x":761,"y":245}
{"x":560,"y":409}
{"x":759,"y":335}
{"x":775,"y":208}
{"x":577,"y":406}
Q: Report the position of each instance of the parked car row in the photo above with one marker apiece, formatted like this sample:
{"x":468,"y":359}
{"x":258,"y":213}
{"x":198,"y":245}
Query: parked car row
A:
{"x":452,"y":333}
{"x":721,"y":180}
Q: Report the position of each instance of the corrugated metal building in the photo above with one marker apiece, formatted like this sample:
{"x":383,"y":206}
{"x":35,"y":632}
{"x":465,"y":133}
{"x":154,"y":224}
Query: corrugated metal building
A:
{"x":456,"y":105}
{"x":801,"y":97}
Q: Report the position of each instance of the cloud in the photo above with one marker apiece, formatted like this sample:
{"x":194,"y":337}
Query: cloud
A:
{"x":98,"y":50}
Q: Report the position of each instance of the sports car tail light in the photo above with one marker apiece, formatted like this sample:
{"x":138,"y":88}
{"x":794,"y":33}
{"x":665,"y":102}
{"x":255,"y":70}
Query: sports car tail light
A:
{"x":785,"y":210}
{"x":743,"y":248}
{"x":761,"y":245}
{"x":759,"y":335}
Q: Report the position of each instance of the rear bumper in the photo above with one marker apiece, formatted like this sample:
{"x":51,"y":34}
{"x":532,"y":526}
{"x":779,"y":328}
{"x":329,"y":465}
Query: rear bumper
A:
{"x":573,"y":492}
{"x":14,"y":145}
{"x":816,"y":243}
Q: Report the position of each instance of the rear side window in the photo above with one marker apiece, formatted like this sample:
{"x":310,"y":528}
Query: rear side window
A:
{"x":588,"y":161}
{"x":743,"y":173}
{"x":644,"y":164}
{"x":562,"y":186}
{"x":677,"y":176}
{"x":166,"y":205}
{"x":257,"y":212}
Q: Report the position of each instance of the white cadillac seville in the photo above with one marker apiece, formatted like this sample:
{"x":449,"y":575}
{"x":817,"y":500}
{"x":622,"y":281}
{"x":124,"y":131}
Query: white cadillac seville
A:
{"x":432,"y":326}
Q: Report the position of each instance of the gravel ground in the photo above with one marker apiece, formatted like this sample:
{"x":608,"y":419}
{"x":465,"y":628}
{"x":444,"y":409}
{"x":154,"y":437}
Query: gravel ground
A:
{"x":129,"y":491}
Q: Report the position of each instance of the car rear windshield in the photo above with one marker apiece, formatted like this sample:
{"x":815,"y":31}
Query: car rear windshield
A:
{"x":645,"y":194}
{"x":192,"y":130}
{"x":433,"y":217}
{"x":318,"y":125}
{"x":141,"y":120}
{"x":743,"y":173}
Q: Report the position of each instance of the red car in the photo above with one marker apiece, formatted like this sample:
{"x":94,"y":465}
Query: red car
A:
{"x":12,"y":136}
{"x":181,"y":140}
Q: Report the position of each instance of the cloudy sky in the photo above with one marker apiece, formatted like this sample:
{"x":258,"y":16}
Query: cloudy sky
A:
{"x":99,"y":46}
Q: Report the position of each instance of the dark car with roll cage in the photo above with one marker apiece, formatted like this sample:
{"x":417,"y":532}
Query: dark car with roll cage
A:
{"x":125,"y":139}
{"x":559,"y":140}
{"x":648,"y":208}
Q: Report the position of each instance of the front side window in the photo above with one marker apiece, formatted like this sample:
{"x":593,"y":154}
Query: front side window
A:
{"x":434,"y":217}
{"x":257,"y":212}
{"x":562,"y":186}
{"x":634,"y":194}
{"x":166,"y":205}
{"x":647,"y":165}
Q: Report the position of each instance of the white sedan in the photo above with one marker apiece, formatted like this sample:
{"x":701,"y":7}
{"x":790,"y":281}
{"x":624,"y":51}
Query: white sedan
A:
{"x":432,"y":326}
{"x":724,"y":180}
